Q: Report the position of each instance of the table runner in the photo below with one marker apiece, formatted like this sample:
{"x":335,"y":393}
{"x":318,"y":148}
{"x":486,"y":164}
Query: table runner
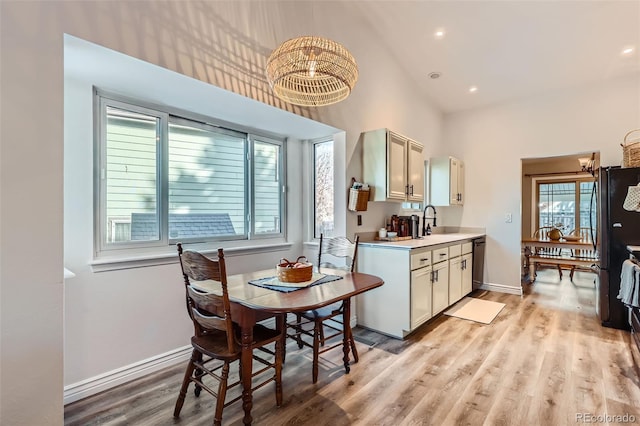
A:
{"x":272,"y":283}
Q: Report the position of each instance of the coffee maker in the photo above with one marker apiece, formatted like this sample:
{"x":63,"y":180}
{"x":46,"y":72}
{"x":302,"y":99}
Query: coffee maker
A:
{"x":412,"y":225}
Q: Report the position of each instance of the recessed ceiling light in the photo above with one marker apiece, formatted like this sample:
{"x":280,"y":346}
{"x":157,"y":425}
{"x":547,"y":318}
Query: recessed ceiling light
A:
{"x":434,"y":75}
{"x":628,"y":50}
{"x":439,"y":34}
{"x":473,"y":89}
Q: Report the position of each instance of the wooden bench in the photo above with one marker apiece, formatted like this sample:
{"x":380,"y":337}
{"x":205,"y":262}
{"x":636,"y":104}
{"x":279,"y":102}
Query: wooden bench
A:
{"x":563,"y":260}
{"x":574,"y":254}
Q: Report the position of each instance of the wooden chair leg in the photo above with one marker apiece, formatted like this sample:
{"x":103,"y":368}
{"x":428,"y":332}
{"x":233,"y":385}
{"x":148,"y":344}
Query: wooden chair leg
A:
{"x":198,"y":374}
{"x":185,"y":385}
{"x":560,"y":271}
{"x":298,"y":338}
{"x":532,"y":272}
{"x":281,"y":326}
{"x":222,"y":393}
{"x":279,"y":361}
{"x":316,"y":348}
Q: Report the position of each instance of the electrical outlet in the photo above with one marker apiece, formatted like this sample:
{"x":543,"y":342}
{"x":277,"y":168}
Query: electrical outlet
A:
{"x":508,"y":218}
{"x":359,"y":220}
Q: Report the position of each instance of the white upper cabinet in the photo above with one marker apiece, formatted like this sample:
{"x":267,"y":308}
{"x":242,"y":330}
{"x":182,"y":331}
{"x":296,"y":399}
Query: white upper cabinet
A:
{"x":416,"y":172}
{"x":393,"y":166}
{"x":447,"y":181}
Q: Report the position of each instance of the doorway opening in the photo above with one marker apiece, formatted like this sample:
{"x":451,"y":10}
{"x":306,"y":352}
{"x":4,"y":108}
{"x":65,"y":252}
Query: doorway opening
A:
{"x":558,"y":206}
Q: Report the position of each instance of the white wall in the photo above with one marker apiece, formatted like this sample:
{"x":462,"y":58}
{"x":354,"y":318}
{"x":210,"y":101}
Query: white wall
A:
{"x":31,"y":298}
{"x":492,"y":141}
{"x":215,"y":43}
{"x":148,"y":300}
{"x":225,"y":44}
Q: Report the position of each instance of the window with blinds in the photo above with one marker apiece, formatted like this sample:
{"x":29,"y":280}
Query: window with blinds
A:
{"x":166,"y":178}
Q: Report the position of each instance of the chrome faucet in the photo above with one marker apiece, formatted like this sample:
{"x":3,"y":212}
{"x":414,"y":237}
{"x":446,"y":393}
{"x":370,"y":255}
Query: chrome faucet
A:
{"x":424,"y":218}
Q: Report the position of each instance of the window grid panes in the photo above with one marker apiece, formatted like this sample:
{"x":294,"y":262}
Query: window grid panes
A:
{"x":323,"y":189}
{"x":130,"y":173}
{"x":566,"y":205}
{"x":165,"y":178}
{"x":268,"y":186}
{"x":207,"y":182}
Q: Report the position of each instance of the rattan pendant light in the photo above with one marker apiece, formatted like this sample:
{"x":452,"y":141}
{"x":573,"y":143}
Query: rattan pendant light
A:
{"x":311,"y":71}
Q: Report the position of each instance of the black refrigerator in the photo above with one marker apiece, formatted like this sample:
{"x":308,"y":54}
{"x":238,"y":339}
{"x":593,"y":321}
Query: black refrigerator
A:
{"x":617,"y":228}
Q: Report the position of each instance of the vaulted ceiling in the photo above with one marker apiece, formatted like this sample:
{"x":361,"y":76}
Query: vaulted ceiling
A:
{"x":507,"y":49}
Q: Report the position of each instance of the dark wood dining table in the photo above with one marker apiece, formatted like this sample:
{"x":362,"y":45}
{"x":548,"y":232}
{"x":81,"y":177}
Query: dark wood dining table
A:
{"x":250,"y":304}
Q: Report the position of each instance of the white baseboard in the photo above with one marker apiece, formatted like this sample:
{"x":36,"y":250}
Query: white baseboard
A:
{"x":110,"y":379}
{"x":501,"y":288}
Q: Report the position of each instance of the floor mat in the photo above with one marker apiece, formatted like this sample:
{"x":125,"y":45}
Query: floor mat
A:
{"x":477,"y":310}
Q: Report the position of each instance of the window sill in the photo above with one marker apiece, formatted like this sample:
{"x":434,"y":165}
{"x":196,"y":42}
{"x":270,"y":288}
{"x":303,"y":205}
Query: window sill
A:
{"x":113,"y":263}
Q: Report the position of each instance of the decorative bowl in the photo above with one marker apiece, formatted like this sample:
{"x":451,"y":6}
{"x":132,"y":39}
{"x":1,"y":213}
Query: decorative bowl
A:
{"x":554,"y":234}
{"x":572,"y":237}
{"x":392,"y":234}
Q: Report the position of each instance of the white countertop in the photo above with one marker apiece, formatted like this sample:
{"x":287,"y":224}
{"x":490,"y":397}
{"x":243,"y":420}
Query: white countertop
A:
{"x":430,"y":240}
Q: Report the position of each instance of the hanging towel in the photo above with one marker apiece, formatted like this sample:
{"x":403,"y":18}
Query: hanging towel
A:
{"x":630,"y":284}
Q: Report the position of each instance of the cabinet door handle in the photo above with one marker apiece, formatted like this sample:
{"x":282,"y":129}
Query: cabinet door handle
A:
{"x":411,"y":189}
{"x":431,"y":276}
{"x":424,"y":259}
{"x":406,"y":189}
{"x":436,"y":272}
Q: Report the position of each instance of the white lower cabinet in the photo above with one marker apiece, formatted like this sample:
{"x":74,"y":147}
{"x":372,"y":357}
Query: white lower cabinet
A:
{"x":455,"y":280}
{"x":440,"y":287}
{"x":467,"y":274}
{"x":420,"y":296}
{"x":386,"y":309}
{"x":460,"y":272}
{"x":416,"y":286}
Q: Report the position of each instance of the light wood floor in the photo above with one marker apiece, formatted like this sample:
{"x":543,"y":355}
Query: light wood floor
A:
{"x":543,"y":361}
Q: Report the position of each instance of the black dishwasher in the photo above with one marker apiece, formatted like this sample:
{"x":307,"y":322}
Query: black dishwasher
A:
{"x":478,"y":262}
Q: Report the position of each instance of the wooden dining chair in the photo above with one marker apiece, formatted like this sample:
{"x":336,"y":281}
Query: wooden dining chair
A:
{"x":336,"y":253}
{"x":542,"y":234}
{"x":585,"y":235}
{"x":215,"y":341}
